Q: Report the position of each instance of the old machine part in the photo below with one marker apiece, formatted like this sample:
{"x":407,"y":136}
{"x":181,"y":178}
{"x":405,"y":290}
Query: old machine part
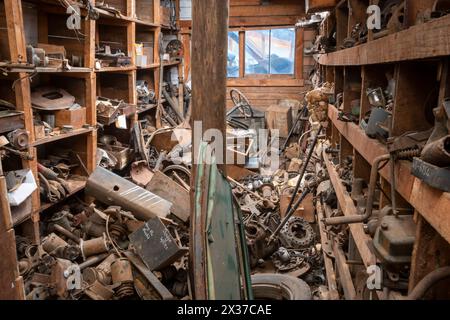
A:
{"x":111,"y":57}
{"x":19,"y":139}
{"x":297,"y":233}
{"x":257,"y":235}
{"x":394,"y":240}
{"x":122,"y":277}
{"x":51,"y":99}
{"x":36,"y":56}
{"x":175,"y":49}
{"x":94,"y":246}
{"x":155,"y":245}
{"x":112,"y":189}
{"x":279,"y":287}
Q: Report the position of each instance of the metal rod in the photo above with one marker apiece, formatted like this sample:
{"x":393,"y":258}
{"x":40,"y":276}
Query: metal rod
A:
{"x":303,"y":170}
{"x":370,"y":197}
{"x":299,"y":118}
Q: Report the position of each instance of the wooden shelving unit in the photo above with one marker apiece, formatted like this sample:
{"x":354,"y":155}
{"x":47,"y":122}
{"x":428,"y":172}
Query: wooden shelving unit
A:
{"x":417,"y":61}
{"x":44,"y":21}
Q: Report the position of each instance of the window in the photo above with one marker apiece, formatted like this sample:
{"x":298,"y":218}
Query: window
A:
{"x":233,"y":54}
{"x":267,"y":52}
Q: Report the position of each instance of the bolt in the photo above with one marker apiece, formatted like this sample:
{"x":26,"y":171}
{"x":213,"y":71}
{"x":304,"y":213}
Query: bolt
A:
{"x":384,"y":226}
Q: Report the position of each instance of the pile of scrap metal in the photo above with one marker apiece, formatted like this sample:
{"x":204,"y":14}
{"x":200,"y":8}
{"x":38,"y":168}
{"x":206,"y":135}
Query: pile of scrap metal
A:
{"x":123,"y":246}
{"x":279,"y":215}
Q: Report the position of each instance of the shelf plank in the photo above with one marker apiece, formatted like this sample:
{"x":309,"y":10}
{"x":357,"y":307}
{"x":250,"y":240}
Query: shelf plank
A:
{"x":61,"y":136}
{"x":427,"y":40}
{"x":150,"y":66}
{"x":116,"y":69}
{"x":362,"y":240}
{"x":77,"y":186}
{"x":431,"y":203}
{"x":173,"y":63}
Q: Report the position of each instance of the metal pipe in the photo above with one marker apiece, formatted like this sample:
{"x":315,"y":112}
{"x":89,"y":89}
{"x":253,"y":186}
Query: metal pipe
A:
{"x":305,"y":165}
{"x":66,"y":233}
{"x":93,"y":261}
{"x":370,"y":197}
{"x":427,"y":282}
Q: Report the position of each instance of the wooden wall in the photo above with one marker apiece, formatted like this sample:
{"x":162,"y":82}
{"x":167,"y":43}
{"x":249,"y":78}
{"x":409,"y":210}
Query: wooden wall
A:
{"x":274,"y":13}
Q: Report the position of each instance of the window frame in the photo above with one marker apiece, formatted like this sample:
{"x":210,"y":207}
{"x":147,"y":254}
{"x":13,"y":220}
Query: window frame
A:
{"x":257,"y":79}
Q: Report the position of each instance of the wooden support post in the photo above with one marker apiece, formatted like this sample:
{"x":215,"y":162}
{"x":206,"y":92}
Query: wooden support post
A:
{"x":209,"y":70}
{"x":431,"y":251}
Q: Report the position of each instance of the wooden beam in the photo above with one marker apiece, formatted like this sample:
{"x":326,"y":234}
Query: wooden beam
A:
{"x":209,"y":73}
{"x":426,"y":40}
{"x":362,"y":240}
{"x":209,"y":69}
{"x":328,"y":262}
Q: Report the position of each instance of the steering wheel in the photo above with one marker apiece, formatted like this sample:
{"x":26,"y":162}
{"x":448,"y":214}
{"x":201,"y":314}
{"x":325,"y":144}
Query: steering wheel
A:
{"x":241,"y":103}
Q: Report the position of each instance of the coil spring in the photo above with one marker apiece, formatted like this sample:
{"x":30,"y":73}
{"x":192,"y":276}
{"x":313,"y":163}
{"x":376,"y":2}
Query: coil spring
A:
{"x":408,"y":153}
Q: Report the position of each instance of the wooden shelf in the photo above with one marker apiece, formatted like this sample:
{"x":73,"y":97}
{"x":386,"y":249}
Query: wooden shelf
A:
{"x":150,"y":66}
{"x":117,"y":69}
{"x":61,"y":136}
{"x":169,"y":64}
{"x":77,"y":186}
{"x":427,"y":40}
{"x":150,"y":107}
{"x":431,"y":203}
{"x":61,"y":71}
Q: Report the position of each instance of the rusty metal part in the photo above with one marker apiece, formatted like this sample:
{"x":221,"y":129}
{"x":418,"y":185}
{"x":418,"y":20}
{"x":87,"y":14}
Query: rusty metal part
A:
{"x":155,"y":245}
{"x":92,"y":261}
{"x":140,"y":173}
{"x":19,"y":139}
{"x":370,"y":197}
{"x":52,"y":242}
{"x":51,"y":99}
{"x":257,"y":235}
{"x":394,"y":241}
{"x":151,"y":278}
{"x":437,"y":152}
{"x":97,"y":291}
{"x":427,"y":282}
{"x":101,"y":273}
{"x":432,"y":175}
{"x":94,"y":246}
{"x":66,"y":233}
{"x":297,"y":233}
{"x":122,"y":276}
{"x":111,"y":189}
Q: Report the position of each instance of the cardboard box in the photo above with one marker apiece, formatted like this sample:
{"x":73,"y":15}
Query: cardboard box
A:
{"x":75,"y":118}
{"x":279,"y":118}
